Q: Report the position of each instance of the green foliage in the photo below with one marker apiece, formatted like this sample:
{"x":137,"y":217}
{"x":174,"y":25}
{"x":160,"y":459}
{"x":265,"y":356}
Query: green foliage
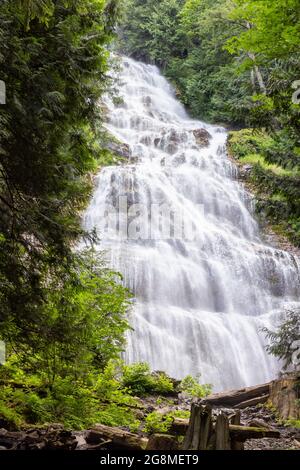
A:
{"x":274,"y":177}
{"x":115,"y":415}
{"x":157,"y":423}
{"x":150,"y":30}
{"x":285,"y":342}
{"x":278,"y":64}
{"x":186,"y":39}
{"x":183,"y":414}
{"x":267,"y":20}
{"x":77,"y":403}
{"x":190,"y":386}
{"x":247,"y":141}
{"x":294,"y":423}
{"x":139,"y":379}
{"x":10,"y":416}
{"x":84,"y":323}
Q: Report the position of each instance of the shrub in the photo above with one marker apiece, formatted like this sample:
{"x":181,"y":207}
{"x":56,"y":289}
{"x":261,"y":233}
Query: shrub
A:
{"x":162,"y":383}
{"x":157,"y":423}
{"x":10,"y":417}
{"x":285,"y":341}
{"x":115,"y":415}
{"x":190,"y":385}
{"x":139,"y":379}
{"x":183,"y":414}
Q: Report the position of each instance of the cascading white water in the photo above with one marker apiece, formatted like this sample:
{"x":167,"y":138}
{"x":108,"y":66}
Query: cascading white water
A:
{"x":199,"y":303}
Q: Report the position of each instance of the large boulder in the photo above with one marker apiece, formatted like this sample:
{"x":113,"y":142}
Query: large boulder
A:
{"x":202,"y":137}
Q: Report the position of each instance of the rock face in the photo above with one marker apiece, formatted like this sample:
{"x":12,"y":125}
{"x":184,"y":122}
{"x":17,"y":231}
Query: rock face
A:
{"x":285,"y":396}
{"x":202,"y":137}
{"x":120,"y":149}
{"x":169,"y":141}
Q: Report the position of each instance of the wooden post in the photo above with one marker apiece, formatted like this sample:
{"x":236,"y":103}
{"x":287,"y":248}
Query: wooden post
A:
{"x":206,"y":427}
{"x":236,"y":419}
{"x":200,"y":428}
{"x":187,"y":443}
{"x":222,"y":433}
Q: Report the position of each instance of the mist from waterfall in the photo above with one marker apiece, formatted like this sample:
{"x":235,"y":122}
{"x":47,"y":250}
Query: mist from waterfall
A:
{"x":199,"y":302}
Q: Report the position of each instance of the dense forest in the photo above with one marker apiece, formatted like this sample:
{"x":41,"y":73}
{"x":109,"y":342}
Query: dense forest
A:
{"x":64,"y":312}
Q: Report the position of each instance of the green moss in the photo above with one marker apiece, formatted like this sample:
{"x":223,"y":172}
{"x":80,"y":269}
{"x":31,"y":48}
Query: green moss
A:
{"x":295,"y":423}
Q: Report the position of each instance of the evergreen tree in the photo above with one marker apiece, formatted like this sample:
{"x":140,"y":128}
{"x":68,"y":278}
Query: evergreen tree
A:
{"x":54,"y":61}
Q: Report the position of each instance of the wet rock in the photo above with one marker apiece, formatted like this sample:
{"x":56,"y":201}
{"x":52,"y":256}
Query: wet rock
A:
{"x":170,"y":141}
{"x":179,"y":160}
{"x":147,"y":100}
{"x":133,"y":160}
{"x":245,"y":171}
{"x":176,"y":137}
{"x":171,"y":148}
{"x":146,"y":139}
{"x":202,"y":137}
{"x":120,"y":149}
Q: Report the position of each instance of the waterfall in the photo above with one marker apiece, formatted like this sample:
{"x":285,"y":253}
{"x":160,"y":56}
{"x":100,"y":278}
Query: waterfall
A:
{"x":201,"y":297}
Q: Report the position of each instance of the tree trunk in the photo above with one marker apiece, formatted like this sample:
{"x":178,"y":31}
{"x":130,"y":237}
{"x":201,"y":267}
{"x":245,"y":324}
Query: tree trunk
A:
{"x":255,"y":71}
{"x":236,"y":397}
{"x":199,"y":428}
{"x":253,"y":402}
{"x":242,"y":433}
{"x":236,"y":431}
{"x":285,"y":396}
{"x":119,"y":439}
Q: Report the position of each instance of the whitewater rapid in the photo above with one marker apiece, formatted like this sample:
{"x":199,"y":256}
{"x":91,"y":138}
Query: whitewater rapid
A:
{"x":201,"y":298}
